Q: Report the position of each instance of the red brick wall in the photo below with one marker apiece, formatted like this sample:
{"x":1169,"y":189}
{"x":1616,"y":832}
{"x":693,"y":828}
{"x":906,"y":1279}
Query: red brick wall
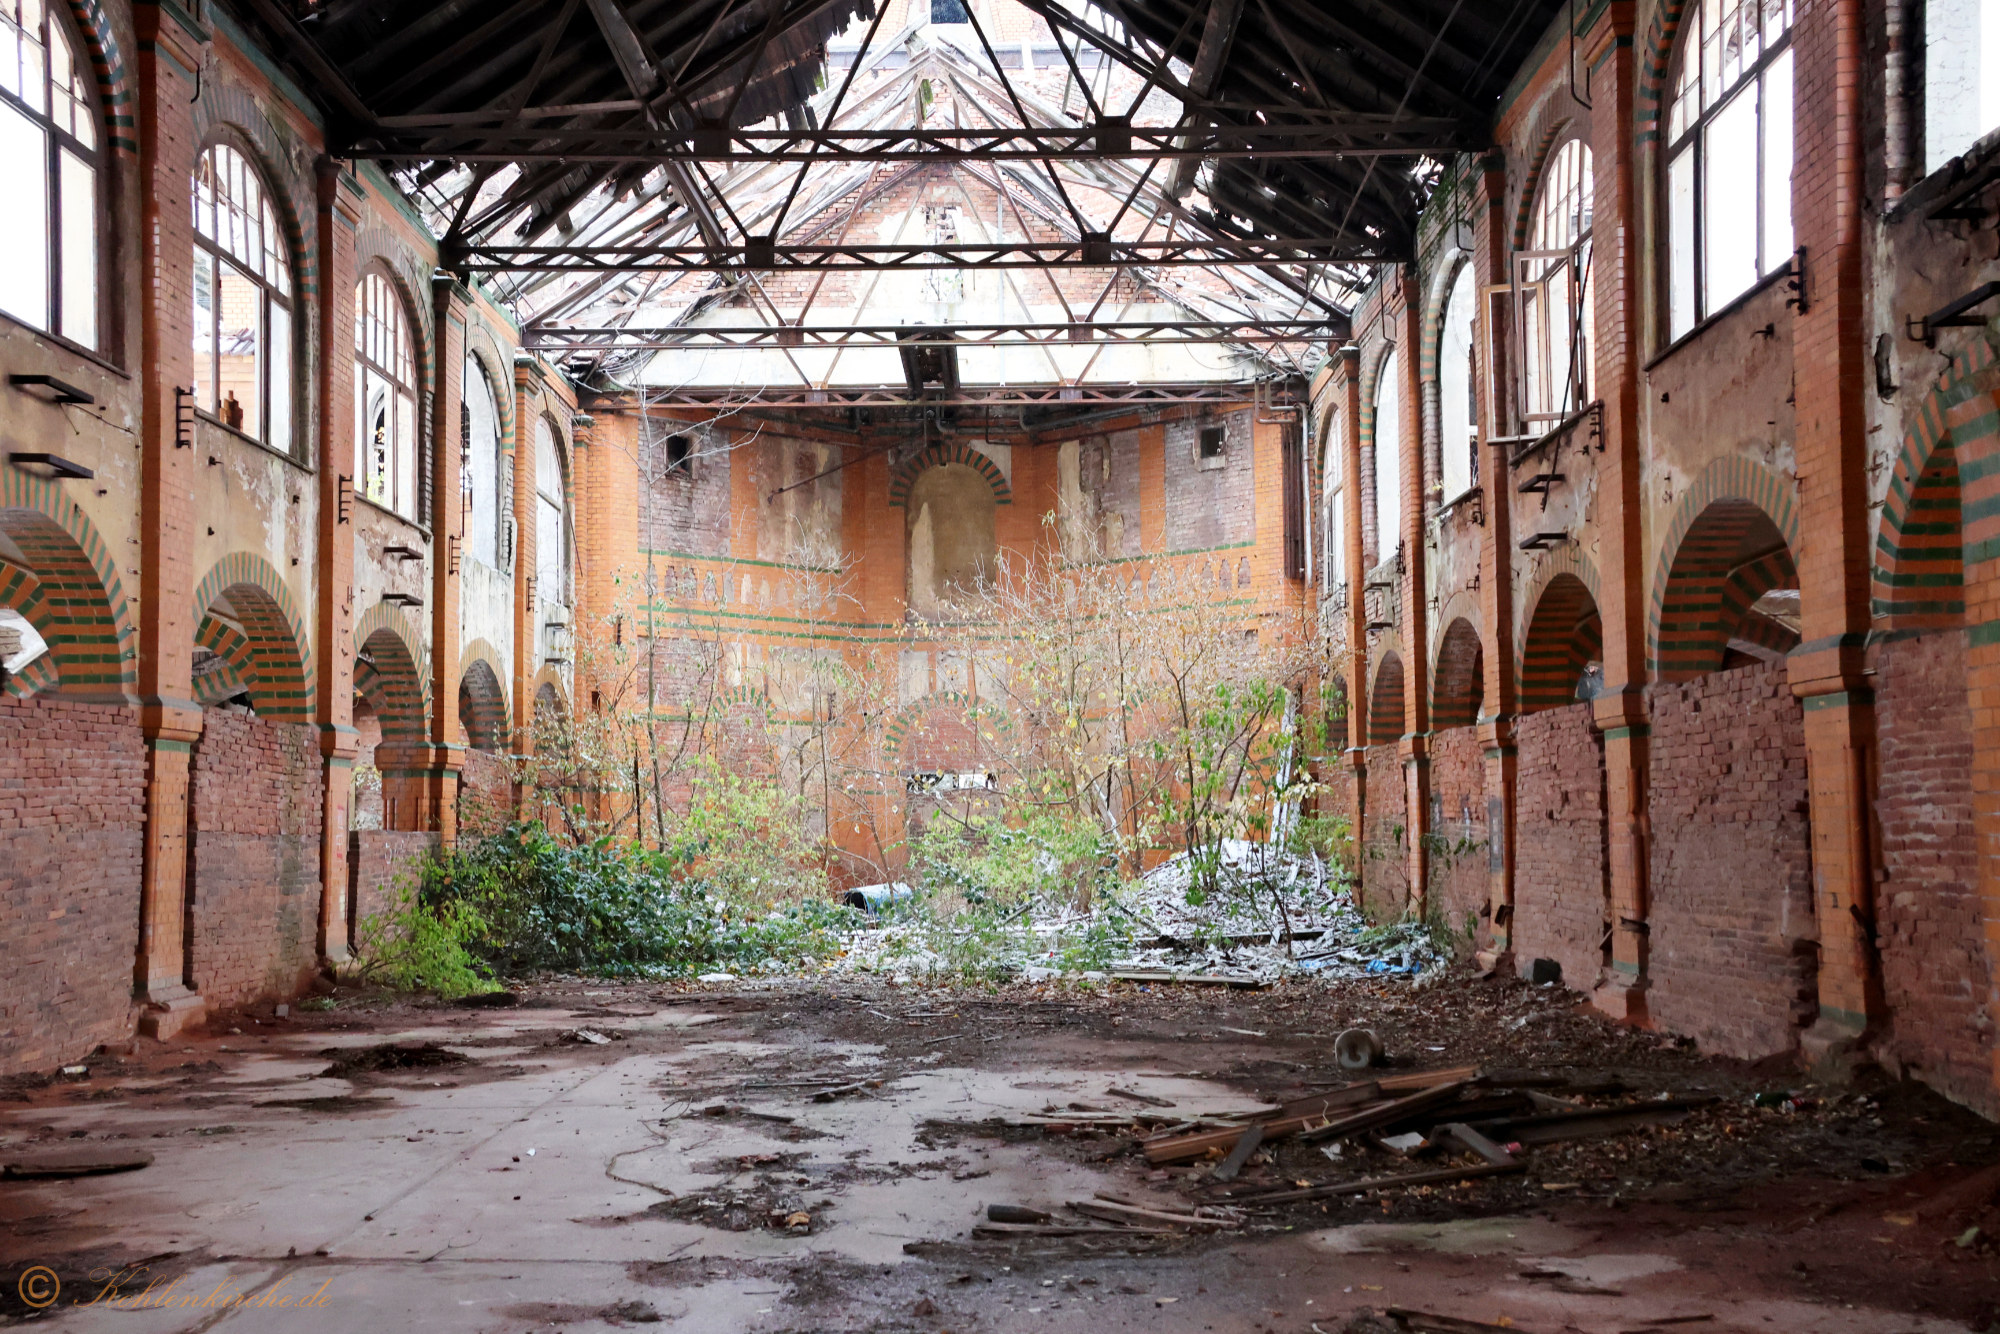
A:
{"x":485,"y":794}
{"x":253,"y":854}
{"x":1935,"y":972}
{"x":1733,"y":959}
{"x":1559,"y":878}
{"x":1385,"y":843}
{"x":72,"y":786}
{"x":376,"y":858}
{"x":1459,"y":878}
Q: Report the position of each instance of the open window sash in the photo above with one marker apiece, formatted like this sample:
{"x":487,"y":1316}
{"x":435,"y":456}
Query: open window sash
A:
{"x":1551,"y":343}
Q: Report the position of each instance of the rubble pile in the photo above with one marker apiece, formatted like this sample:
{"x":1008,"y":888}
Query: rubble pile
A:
{"x":1270,"y":915}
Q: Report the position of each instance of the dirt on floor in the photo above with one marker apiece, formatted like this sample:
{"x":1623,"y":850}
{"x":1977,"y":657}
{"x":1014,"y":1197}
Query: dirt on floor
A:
{"x":783,"y":1156}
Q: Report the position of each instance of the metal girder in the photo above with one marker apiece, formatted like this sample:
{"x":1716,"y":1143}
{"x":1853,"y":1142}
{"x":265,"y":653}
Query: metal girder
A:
{"x":1087,"y":253}
{"x":905,"y":336}
{"x":1358,"y":137}
{"x":999,"y":396}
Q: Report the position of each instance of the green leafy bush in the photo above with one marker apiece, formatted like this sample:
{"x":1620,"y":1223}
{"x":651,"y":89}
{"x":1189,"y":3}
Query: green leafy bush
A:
{"x":411,"y":944}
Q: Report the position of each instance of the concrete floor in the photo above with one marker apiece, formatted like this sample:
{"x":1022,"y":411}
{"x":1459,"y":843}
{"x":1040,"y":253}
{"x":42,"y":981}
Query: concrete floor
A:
{"x":537,"y":1188}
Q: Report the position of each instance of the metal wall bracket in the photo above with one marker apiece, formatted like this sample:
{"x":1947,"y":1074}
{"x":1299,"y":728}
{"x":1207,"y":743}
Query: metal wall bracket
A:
{"x":1796,"y":283}
{"x":61,"y":391}
{"x":55,"y":463}
{"x":184,"y":418}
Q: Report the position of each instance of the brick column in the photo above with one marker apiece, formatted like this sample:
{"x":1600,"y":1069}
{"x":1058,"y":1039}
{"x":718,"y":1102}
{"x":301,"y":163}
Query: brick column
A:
{"x":170,"y":52}
{"x":1347,"y":394}
{"x":1415,"y":746}
{"x":333,"y":618}
{"x":527,"y":630}
{"x":1620,"y":712}
{"x":1496,"y":579}
{"x":1829,"y":356}
{"x":451,"y":300}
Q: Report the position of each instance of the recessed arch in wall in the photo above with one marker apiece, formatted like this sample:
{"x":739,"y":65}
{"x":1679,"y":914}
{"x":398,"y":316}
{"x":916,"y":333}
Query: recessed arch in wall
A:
{"x":1459,"y":681}
{"x":482,"y":699}
{"x":72,"y":596}
{"x":1385,"y":700}
{"x":953,"y":548}
{"x":1734,"y":537}
{"x":949,"y":451}
{"x":1565,"y":637}
{"x":246,"y":617}
{"x":392,"y":671}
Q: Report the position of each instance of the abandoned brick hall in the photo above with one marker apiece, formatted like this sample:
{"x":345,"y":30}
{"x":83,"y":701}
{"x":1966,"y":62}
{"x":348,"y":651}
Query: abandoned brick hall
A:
{"x":1529,"y":467}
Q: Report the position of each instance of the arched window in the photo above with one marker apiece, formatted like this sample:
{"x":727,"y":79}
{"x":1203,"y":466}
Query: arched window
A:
{"x":1388,"y":477}
{"x":480,"y":464}
{"x":242,"y":301}
{"x":1335,"y":526}
{"x":1729,"y":155}
{"x":386,"y":444}
{"x":48,"y":157}
{"x":551,"y":516}
{"x":1458,"y":412}
{"x":1553,"y":279}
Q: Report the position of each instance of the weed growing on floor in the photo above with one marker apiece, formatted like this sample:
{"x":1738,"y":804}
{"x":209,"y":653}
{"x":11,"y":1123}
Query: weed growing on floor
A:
{"x":410,"y":944}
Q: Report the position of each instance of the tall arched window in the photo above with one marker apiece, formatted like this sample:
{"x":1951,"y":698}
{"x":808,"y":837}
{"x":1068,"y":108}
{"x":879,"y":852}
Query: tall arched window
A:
{"x":48,"y":157}
{"x":480,"y":466}
{"x":1335,"y":501}
{"x":1729,"y":155}
{"x":1388,"y":477}
{"x":1458,"y":414}
{"x":386,"y":444}
{"x":551,"y":515}
{"x":1961,"y":77}
{"x":1553,"y":279}
{"x":242,"y":301}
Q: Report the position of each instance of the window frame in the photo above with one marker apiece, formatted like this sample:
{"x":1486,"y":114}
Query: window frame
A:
{"x":1461,"y":285}
{"x":1539,"y":269}
{"x":1713,"y":100}
{"x":282,"y":296}
{"x":81,"y":98}
{"x":377,"y":276}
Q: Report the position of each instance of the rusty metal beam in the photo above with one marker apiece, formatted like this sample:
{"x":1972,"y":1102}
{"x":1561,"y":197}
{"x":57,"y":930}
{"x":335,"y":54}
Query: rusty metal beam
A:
{"x":961,"y":336}
{"x":1090,"y":252}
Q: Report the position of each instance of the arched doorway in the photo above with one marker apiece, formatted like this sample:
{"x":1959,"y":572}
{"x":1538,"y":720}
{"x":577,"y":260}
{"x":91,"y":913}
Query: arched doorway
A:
{"x":1565,"y":647}
{"x":1460,"y":682}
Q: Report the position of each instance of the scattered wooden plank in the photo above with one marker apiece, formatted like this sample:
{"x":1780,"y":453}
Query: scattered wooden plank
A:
{"x":1438,"y":1086}
{"x":1194,"y":980}
{"x":1430,"y":1322}
{"x":1385,"y":1114}
{"x":1246,"y":1144}
{"x":999,"y":1231}
{"x":89,"y":1162}
{"x":1366,"y":1184}
{"x":1128,"y":1215}
{"x":1136,"y":1096}
{"x":1479,"y":1144}
{"x":1014,"y":1213}
{"x":1555,"y":1127}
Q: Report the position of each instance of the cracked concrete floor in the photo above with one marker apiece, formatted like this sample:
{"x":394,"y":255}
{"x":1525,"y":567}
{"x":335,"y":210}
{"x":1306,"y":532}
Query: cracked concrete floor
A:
{"x":680,"y":1174}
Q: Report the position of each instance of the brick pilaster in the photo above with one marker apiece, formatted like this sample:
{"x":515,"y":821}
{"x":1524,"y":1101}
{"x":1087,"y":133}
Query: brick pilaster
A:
{"x":170,"y":53}
{"x":1829,"y":352}
{"x":1496,"y":580}
{"x":1414,"y":748}
{"x":527,"y":637}
{"x":450,"y":303}
{"x":340,"y":202}
{"x":1620,"y":712}
{"x":1347,"y":397}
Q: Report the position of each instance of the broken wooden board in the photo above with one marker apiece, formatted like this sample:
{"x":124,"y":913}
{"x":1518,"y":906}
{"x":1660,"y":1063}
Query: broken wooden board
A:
{"x":1362,"y":1187}
{"x":1194,"y":980}
{"x":1555,"y":1127}
{"x":1478,"y":1143}
{"x":1126,"y":1215}
{"x":1010,"y":1231}
{"x":1246,"y":1144}
{"x":1385,"y":1114}
{"x":1307,"y":1113}
{"x":90,"y":1162}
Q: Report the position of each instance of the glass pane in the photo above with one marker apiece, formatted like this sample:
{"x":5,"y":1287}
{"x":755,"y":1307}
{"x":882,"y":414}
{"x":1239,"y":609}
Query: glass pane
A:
{"x":1680,"y":243}
{"x":1388,"y":461}
{"x":1336,"y":539}
{"x":1954,"y":90}
{"x":204,"y":329}
{"x":239,"y":351}
{"x":278,"y":434}
{"x":1454,"y":385}
{"x":548,"y":550}
{"x":378,"y":435}
{"x":22,"y":55}
{"x":24,"y":224}
{"x":1729,"y":201}
{"x":275,"y":249}
{"x":79,"y":250}
{"x":1777,"y":130}
{"x":406,"y":458}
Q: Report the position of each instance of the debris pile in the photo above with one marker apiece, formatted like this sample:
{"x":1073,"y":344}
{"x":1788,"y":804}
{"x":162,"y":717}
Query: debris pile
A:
{"x":1262,"y":914}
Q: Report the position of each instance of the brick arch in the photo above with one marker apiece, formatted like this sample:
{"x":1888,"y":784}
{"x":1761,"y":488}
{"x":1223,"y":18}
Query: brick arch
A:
{"x":1565,"y":633}
{"x":107,"y":64}
{"x":549,"y":679}
{"x":396,"y":679}
{"x":485,"y":348}
{"x":275,"y":656}
{"x":1568,"y":558}
{"x":1649,"y":102}
{"x":1458,"y":683}
{"x":1385,"y":700}
{"x":1922,"y":546}
{"x":381,"y":258}
{"x":978,"y":714}
{"x":954,"y":451}
{"x":77,"y":601}
{"x":1689,"y":587}
{"x":1433,"y":321}
{"x":482,"y":703}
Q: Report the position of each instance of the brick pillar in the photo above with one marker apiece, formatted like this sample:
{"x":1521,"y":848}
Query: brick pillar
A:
{"x":527,"y":636}
{"x":451,"y":300}
{"x":1496,"y":579}
{"x":1620,"y":712}
{"x":1347,"y":395}
{"x":1829,"y":355}
{"x":340,"y":202}
{"x":1966,"y":419}
{"x":1415,"y":747}
{"x":170,"y":52}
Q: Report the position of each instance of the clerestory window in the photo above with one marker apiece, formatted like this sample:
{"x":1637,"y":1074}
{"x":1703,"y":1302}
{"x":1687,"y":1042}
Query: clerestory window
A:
{"x":1729,"y":156}
{"x":1552,"y":291}
{"x":48,"y":157}
{"x":1961,"y":77}
{"x":387,"y":448}
{"x":242,"y":301}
